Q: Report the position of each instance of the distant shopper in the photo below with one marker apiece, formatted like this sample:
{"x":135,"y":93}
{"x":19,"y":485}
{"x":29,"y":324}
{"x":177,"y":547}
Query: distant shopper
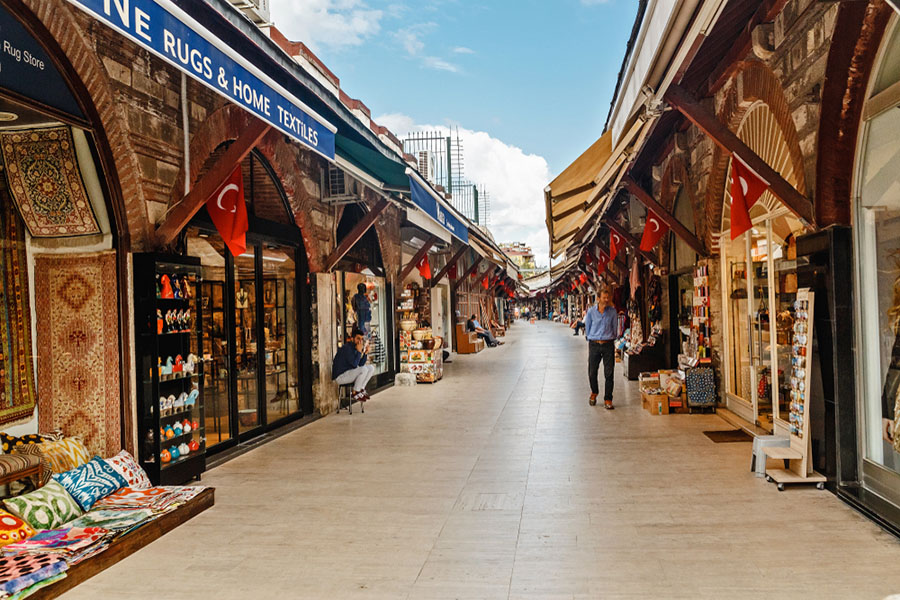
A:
{"x":579,"y":323}
{"x":473,"y":325}
{"x":600,"y":331}
{"x":349,"y":365}
{"x":363,"y":309}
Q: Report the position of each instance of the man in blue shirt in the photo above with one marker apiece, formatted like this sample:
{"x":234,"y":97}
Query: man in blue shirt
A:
{"x":473,"y":325}
{"x":600,"y":331}
{"x":349,"y":365}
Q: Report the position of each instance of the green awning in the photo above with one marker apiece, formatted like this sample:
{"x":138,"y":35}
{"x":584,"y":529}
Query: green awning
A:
{"x":382,"y":168}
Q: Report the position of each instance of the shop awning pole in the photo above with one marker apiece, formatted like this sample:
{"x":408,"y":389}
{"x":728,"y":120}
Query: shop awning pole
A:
{"x":668,"y":218}
{"x":436,"y":279}
{"x":355,"y":234}
{"x":723,"y":137}
{"x":181,"y":213}
{"x":431,"y":241}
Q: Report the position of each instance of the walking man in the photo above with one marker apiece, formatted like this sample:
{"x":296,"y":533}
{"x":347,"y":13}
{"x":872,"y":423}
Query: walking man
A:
{"x":349,"y":365}
{"x":600,"y":331}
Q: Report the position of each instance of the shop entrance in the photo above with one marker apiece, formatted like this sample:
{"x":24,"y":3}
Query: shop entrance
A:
{"x":255,"y":314}
{"x":759,"y":275}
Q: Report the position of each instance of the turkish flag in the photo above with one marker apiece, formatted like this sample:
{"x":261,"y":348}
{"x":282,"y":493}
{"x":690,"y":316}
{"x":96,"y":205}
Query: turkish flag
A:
{"x":654,"y":229}
{"x":228,"y":211}
{"x":424,"y":267}
{"x":452,"y":274}
{"x":602,"y":262}
{"x":583,"y":279}
{"x":615,"y":244}
{"x":746,"y":188}
{"x":484,"y":282}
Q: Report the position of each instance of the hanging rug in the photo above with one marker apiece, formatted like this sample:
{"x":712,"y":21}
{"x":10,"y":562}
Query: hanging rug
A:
{"x":46,"y":184}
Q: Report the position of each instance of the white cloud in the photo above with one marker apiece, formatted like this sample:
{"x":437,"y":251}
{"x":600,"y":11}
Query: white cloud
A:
{"x":327,"y":23}
{"x":463,"y":50}
{"x":411,"y":38}
{"x":515,"y":181}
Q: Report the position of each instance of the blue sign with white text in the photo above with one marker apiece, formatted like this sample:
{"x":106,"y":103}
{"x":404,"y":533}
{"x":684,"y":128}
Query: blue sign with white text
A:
{"x":428,"y":203}
{"x":183,"y":45}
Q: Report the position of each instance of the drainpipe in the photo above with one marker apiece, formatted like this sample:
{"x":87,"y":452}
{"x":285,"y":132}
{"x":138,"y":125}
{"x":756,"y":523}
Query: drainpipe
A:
{"x":187,"y":134}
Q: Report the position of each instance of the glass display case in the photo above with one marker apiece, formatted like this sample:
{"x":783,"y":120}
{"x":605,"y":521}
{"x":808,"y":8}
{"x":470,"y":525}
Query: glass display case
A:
{"x":168,"y":345}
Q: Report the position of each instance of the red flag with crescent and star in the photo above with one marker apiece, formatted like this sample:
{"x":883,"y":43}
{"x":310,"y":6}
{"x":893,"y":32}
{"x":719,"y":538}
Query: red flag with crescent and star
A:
{"x":424,"y":267}
{"x":654,"y":229}
{"x":746,"y":188}
{"x":602,"y":262}
{"x":615,"y":244}
{"x":228,"y":211}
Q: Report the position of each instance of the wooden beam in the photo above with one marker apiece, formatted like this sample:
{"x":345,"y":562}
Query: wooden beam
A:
{"x":355,"y":234}
{"x":431,"y":241}
{"x":448,"y":266}
{"x":669,"y":219}
{"x":632,"y":241}
{"x":193,"y":201}
{"x":706,"y":121}
{"x":468,"y":271}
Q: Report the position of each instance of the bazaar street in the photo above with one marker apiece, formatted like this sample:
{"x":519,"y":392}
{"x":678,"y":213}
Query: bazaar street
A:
{"x":501,"y":482}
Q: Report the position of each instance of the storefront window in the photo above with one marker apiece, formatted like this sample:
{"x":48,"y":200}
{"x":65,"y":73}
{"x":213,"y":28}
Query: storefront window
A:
{"x":878,"y":248}
{"x":280,"y":330}
{"x":375,"y":327}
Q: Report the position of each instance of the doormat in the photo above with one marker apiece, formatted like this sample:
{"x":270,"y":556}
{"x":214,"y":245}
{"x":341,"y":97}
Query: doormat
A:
{"x":728,"y":436}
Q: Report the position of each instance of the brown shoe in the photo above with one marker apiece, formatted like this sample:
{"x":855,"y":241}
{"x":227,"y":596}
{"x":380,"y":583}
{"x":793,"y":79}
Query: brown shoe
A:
{"x":593,"y":400}
{"x":608,"y":404}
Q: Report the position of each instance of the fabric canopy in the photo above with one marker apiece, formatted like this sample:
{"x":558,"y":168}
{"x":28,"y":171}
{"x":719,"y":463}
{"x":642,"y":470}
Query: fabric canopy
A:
{"x":382,"y":168}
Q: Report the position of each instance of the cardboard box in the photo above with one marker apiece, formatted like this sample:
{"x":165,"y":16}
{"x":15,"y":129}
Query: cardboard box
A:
{"x":648,"y":380}
{"x":655,"y":404}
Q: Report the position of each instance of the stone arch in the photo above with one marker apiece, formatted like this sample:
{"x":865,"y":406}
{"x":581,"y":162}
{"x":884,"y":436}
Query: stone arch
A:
{"x":88,"y":78}
{"x":285,"y":159}
{"x":675,"y":177}
{"x":753,"y":82}
{"x":858,"y":32}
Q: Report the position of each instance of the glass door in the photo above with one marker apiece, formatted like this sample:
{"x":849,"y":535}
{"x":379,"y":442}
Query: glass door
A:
{"x":280,"y":332}
{"x":245,"y":337}
{"x":761,"y":350}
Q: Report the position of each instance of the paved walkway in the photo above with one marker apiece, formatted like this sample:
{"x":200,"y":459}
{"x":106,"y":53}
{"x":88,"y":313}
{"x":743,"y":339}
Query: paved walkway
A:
{"x":501,"y":482}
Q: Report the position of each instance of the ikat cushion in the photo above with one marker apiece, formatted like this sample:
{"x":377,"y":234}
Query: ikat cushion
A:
{"x":130,"y":470}
{"x":13,"y":529}
{"x":66,"y":454}
{"x":10,"y":441}
{"x":90,"y":482}
{"x":46,"y":508}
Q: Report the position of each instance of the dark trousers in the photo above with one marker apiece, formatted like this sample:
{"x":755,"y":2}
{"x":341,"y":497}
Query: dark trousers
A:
{"x":606,"y":352}
{"x":579,"y":325}
{"x":488,"y":338}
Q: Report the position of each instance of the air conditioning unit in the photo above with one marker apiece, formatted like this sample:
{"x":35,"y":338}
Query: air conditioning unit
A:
{"x":255,"y":10}
{"x":340,"y":188}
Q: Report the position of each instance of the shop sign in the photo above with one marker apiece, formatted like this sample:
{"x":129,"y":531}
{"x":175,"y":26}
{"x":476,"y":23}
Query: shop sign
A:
{"x":422,"y":198}
{"x":173,"y":35}
{"x":27,"y":70}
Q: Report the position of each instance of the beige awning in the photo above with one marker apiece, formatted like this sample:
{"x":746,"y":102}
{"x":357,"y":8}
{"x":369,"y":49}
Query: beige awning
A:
{"x":575,"y":196}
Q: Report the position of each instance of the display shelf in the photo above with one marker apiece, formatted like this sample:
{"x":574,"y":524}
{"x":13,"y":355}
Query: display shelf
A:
{"x":153,"y":348}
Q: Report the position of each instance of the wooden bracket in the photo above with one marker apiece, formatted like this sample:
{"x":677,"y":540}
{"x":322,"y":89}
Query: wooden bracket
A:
{"x":669,"y":219}
{"x":418,"y":256}
{"x":723,"y":137}
{"x":181,"y":213}
{"x":631,"y":240}
{"x":468,"y":272}
{"x":355,"y":234}
{"x":448,"y":266}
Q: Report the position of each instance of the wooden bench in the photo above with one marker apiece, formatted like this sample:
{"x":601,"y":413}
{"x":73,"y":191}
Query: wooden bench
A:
{"x":467,"y":342}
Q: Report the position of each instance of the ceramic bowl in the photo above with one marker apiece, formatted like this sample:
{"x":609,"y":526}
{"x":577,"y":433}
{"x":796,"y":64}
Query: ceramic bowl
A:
{"x":418,"y":335}
{"x":407,"y":325}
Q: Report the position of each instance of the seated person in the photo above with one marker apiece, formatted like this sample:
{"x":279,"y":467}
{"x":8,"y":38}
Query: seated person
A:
{"x":349,"y":365}
{"x":473,"y":325}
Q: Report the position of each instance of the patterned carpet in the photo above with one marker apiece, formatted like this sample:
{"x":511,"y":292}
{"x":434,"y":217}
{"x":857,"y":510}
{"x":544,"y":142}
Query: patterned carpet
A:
{"x":17,"y":393}
{"x":78,"y":348}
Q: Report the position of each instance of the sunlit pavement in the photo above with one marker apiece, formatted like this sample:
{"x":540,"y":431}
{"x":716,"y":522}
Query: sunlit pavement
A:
{"x":501,"y":482}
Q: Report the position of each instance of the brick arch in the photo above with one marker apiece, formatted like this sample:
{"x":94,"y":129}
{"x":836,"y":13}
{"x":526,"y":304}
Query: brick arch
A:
{"x":286,"y":159}
{"x":858,"y":32}
{"x":87,"y":76}
{"x":753,"y":82}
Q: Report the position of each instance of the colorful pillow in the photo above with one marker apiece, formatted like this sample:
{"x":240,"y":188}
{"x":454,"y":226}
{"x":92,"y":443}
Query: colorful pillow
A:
{"x":91,"y":481}
{"x":10,"y":441}
{"x":66,"y":454}
{"x":13,"y":529}
{"x":127,"y":467}
{"x":46,"y":508}
{"x":35,"y":450}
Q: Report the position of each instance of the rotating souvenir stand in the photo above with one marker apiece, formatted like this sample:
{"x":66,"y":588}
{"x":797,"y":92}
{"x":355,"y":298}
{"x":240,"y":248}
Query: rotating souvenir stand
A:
{"x":798,"y":466}
{"x":171,"y":427}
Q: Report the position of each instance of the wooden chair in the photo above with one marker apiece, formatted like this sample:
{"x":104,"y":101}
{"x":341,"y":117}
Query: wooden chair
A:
{"x":467,"y":342}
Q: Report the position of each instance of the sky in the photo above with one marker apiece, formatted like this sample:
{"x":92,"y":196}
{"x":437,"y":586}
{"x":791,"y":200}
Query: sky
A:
{"x":527,"y":82}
